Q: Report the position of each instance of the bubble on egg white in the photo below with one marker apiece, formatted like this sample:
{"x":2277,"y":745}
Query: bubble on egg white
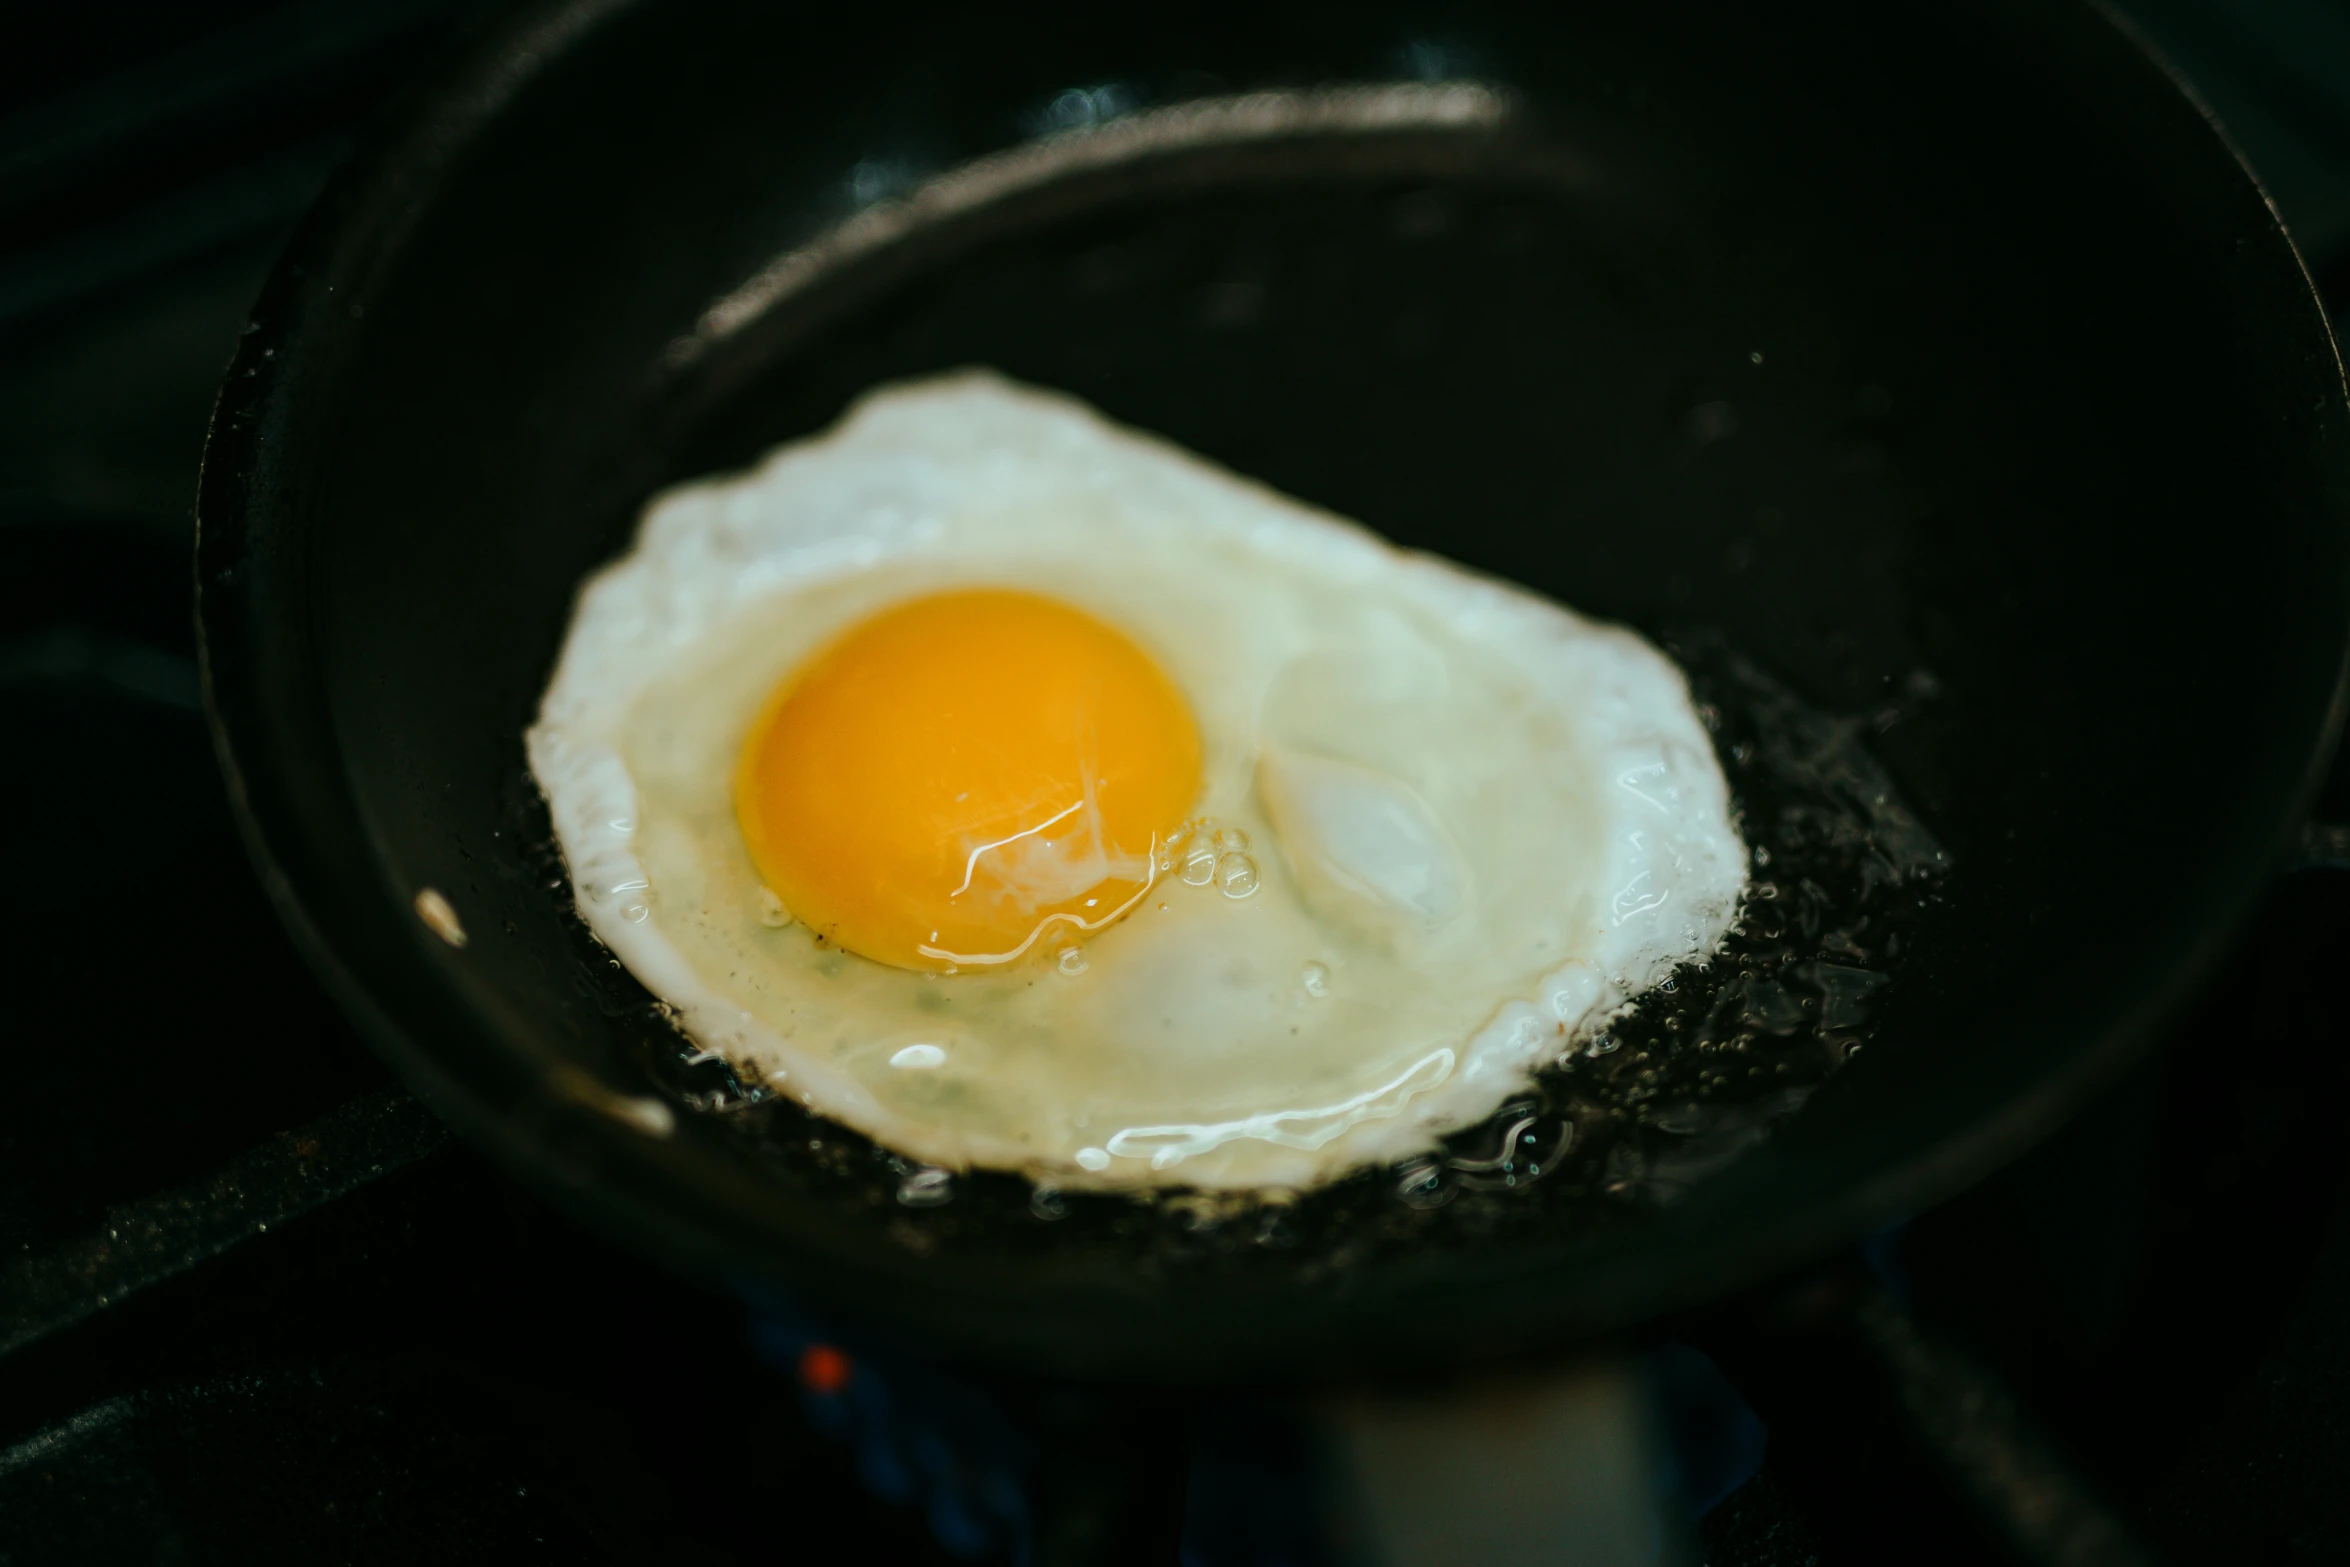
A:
{"x":1236,"y":875}
{"x":1574,"y":991}
{"x":1365,"y":848}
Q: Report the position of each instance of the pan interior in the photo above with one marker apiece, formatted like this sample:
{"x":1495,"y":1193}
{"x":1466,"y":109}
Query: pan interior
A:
{"x":1784,"y":337}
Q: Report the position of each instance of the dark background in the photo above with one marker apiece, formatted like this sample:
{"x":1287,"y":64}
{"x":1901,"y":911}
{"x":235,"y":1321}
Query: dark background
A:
{"x":254,"y":1305}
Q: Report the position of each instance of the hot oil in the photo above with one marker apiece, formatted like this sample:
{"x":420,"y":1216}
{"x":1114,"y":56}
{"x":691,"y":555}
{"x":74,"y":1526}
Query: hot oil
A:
{"x":1630,"y":1115}
{"x":1699,"y":1070}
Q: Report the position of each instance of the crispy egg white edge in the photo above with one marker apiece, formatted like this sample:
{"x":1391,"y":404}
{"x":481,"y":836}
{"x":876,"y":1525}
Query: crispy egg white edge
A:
{"x":1676,"y":880}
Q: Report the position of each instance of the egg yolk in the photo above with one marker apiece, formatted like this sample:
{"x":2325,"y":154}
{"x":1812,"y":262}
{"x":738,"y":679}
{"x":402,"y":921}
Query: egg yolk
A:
{"x":966,"y":777}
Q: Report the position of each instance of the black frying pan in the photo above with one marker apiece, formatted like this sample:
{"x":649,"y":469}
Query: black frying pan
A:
{"x":2046,"y":408}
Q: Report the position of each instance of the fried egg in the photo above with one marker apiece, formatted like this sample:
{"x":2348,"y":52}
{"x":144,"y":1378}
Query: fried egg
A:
{"x":1028,"y":793}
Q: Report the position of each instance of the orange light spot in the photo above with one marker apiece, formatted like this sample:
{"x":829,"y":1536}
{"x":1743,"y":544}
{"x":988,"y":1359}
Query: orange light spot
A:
{"x":823,"y":1369}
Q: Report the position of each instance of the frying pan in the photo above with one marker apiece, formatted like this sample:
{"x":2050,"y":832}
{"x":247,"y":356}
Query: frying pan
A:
{"x":2026,"y":389}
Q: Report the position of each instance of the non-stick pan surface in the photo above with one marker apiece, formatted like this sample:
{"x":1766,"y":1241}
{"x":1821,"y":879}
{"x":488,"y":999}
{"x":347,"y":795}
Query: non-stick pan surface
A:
{"x":1871,"y":340}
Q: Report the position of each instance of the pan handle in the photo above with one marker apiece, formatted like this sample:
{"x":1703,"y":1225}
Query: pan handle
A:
{"x":1891,"y":1435}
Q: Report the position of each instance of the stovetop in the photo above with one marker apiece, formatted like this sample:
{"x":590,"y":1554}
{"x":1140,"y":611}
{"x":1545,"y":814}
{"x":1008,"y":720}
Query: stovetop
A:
{"x":255,"y":1302}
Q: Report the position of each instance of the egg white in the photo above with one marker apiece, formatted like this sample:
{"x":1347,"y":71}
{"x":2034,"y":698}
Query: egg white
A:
{"x":1481,"y":824}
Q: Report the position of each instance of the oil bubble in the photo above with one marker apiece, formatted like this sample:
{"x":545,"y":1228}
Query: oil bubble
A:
{"x":926,"y":1187}
{"x":1072,"y":961}
{"x":1315,"y":977}
{"x":1199,"y":865}
{"x":1421,"y":1184}
{"x":1047,"y":1203}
